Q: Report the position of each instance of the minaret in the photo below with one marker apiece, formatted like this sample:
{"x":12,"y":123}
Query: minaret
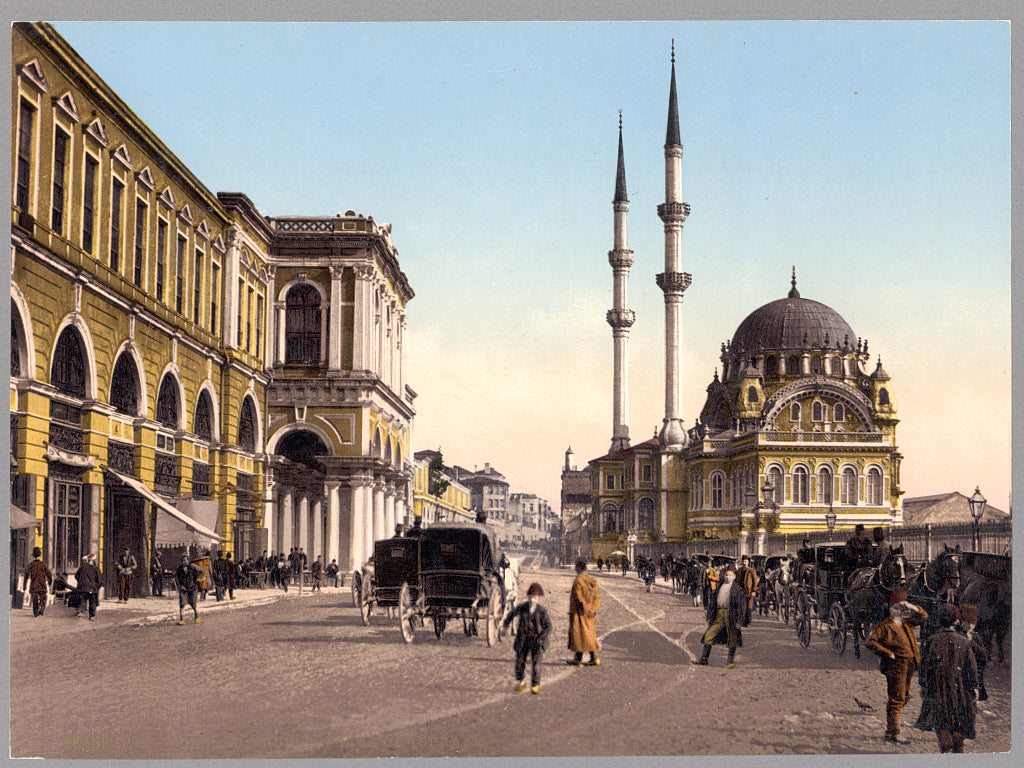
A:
{"x":620,"y":318}
{"x":673,"y":283}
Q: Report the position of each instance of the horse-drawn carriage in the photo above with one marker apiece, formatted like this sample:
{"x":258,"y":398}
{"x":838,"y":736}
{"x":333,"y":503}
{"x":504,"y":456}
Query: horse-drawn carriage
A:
{"x":773,"y":587}
{"x":458,"y":577}
{"x":378,"y":584}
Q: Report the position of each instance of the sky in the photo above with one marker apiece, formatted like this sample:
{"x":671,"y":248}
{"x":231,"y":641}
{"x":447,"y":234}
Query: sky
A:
{"x":872,"y":156}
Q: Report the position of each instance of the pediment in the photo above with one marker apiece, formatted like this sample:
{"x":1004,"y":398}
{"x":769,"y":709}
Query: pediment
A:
{"x":123,"y":157}
{"x":203,"y":230}
{"x":96,"y":132}
{"x":66,"y":104}
{"x":218,"y":244}
{"x":167,"y":199}
{"x":145,"y":178}
{"x":186,"y":215}
{"x":33,"y":73}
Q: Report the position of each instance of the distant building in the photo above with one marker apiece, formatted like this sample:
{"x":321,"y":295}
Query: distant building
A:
{"x":529,"y":518}
{"x":942,"y":508}
{"x":575,"y":510}
{"x":489,"y":492}
{"x":453,"y":505}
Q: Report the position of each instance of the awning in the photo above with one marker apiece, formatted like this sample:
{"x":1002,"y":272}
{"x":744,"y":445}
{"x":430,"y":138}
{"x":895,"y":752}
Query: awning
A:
{"x":171,"y":532}
{"x":164,"y":505}
{"x":21,"y":519}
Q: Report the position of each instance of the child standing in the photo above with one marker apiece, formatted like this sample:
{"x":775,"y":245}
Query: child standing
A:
{"x":531,"y":636}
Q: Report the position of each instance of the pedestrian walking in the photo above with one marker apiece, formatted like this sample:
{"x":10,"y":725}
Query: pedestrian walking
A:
{"x":584,"y":600}
{"x":894,"y":641}
{"x":39,"y":580}
{"x":726,"y":611}
{"x":317,"y":573}
{"x":968,"y":621}
{"x":156,"y":574}
{"x":87,"y":577}
{"x":221,"y":568}
{"x":126,"y":565}
{"x":948,"y":679}
{"x":747,"y":577}
{"x":531,"y":637}
{"x":232,"y":576}
{"x":600,"y":562}
{"x":711,"y":579}
{"x":283,"y":572}
{"x":187,"y":576}
{"x":332,"y":572}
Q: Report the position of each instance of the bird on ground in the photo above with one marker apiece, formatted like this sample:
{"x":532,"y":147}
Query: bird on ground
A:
{"x":862,"y":705}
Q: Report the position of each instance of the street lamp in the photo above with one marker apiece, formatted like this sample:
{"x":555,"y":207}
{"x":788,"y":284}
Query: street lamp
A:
{"x":977,"y":505}
{"x":746,"y":520}
{"x":830,"y":521}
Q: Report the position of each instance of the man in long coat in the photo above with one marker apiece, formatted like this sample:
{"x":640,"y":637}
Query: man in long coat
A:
{"x":948,"y":678}
{"x":39,"y":579}
{"x":726,"y":612}
{"x":87,"y":578}
{"x":893,"y":639}
{"x":748,"y":579}
{"x":584,"y":601}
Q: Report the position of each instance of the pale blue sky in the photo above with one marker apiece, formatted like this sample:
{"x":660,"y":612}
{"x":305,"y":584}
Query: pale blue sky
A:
{"x":875,"y":156}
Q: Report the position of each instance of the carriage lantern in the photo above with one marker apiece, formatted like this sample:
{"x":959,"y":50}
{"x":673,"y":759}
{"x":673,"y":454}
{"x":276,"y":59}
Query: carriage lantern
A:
{"x":977,"y":505}
{"x":830,"y":521}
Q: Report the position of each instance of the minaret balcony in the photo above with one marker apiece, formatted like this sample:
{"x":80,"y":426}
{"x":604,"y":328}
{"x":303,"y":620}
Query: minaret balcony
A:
{"x":673,"y":282}
{"x":620,"y":258}
{"x":673,"y":211}
{"x":621,"y":318}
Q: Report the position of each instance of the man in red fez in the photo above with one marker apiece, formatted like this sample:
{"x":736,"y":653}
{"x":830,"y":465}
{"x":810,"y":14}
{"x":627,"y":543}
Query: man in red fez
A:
{"x":896,"y":644}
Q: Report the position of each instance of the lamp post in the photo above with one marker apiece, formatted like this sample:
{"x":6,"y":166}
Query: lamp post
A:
{"x":830,"y":520}
{"x":977,"y":505}
{"x":767,"y":493}
{"x":746,"y":518}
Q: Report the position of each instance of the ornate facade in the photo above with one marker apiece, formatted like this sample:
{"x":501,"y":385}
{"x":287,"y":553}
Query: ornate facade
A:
{"x":797,"y":425}
{"x":175,"y":353}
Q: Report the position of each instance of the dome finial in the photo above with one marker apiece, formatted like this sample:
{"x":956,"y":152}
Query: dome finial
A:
{"x":673,"y":50}
{"x":793,"y":292}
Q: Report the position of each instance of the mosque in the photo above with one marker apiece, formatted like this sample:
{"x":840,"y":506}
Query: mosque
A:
{"x":798,"y":428}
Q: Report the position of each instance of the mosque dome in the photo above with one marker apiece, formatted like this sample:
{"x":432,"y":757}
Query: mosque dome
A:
{"x":793,"y":323}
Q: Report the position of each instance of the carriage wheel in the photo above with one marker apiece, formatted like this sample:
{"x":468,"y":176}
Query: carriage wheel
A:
{"x":366,"y":602}
{"x":406,"y":613}
{"x":800,"y":603}
{"x":837,"y":627}
{"x":784,"y":606}
{"x":439,"y":623}
{"x":495,"y":606}
{"x":803,"y":628}
{"x":357,"y":589}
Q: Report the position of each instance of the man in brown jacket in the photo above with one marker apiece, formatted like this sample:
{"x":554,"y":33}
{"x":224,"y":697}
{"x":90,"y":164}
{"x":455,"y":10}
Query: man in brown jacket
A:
{"x":747,"y":577}
{"x":895,"y":642}
{"x":39,"y":580}
{"x":584,"y":601}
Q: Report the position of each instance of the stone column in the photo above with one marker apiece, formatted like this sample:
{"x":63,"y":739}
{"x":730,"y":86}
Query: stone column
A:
{"x":270,"y":513}
{"x":366,"y":489}
{"x":333,"y":516}
{"x":357,"y":537}
{"x":389,"y":510}
{"x":363,"y":317}
{"x":334,"y":328}
{"x":303,"y":515}
{"x":379,"y":521}
{"x":287,"y":499}
{"x":318,"y":530}
{"x":279,"y":336}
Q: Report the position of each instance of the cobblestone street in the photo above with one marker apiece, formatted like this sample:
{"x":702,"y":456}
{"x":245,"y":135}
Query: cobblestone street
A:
{"x":299,"y":676}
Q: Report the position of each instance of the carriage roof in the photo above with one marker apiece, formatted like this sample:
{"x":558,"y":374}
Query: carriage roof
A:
{"x":464,"y":546}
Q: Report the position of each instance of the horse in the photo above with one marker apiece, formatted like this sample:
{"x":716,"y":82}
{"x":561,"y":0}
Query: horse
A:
{"x":663,"y":563}
{"x":937,"y":582}
{"x":867,"y":593}
{"x":778,"y":582}
{"x":679,"y":574}
{"x":991,"y":596}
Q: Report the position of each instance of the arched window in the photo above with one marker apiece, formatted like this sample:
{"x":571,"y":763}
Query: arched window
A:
{"x":839,"y":413}
{"x":203,"y":424}
{"x":815,"y":364}
{"x":247,"y":427}
{"x":68,"y":371}
{"x":800,"y":485}
{"x":15,"y":343}
{"x":752,"y":395}
{"x":793,"y":367}
{"x":302,"y":326}
{"x":124,"y":386}
{"x":848,"y":486}
{"x":717,"y":490}
{"x":794,"y":413}
{"x":167,"y":403}
{"x":645,"y":512}
{"x":825,"y":485}
{"x":874,"y":487}
{"x":817,"y":412}
{"x":775,"y":480}
{"x":771,"y":365}
{"x":837,"y":366}
{"x":610,"y":513}
{"x":883,"y":396}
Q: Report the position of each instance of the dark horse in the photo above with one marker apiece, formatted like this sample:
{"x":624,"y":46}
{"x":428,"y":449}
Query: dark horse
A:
{"x":985,"y":583}
{"x":867,"y":594}
{"x":937,"y":582}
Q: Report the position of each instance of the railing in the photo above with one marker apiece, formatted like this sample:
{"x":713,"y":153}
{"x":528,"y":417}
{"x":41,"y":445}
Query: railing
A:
{"x":823,"y":437}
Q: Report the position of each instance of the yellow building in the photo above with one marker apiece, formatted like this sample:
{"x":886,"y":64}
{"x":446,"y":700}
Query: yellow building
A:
{"x":183,"y":368}
{"x":452,"y":505}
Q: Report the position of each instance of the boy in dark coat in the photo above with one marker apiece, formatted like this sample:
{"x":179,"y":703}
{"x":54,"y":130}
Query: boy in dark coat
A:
{"x":948,"y":678}
{"x":531,"y":636}
{"x":88,"y":579}
{"x":39,"y":580}
{"x":726,"y":612}
{"x":968,"y":621}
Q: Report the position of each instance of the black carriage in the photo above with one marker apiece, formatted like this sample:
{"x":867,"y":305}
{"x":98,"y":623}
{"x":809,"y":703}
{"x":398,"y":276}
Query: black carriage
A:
{"x":821,"y":595}
{"x":395,"y":562}
{"x":457,"y":578}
